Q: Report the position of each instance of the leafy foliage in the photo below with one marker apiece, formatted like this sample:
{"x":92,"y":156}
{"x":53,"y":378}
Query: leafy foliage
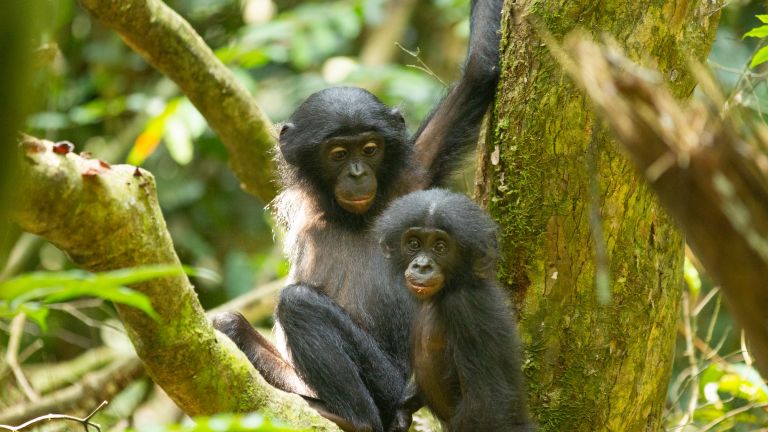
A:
{"x":761,"y":56}
{"x":711,"y":391}
{"x":31,"y":292}
{"x":253,"y":422}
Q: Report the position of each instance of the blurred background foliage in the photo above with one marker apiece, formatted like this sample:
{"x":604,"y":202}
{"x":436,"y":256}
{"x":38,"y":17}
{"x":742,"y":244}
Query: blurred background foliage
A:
{"x":89,"y":88}
{"x":103,"y":97}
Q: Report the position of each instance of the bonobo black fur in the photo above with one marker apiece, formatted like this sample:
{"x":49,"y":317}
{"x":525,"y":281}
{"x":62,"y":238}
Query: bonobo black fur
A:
{"x":345,"y":156}
{"x":464,"y":344}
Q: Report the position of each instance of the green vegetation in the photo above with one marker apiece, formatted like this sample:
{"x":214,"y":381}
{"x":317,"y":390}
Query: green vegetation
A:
{"x":91,"y":89}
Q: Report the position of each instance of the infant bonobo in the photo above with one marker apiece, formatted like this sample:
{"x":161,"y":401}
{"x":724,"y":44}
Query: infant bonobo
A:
{"x":464,"y":343}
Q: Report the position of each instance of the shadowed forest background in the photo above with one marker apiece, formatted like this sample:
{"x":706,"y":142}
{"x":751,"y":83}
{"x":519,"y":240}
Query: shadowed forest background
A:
{"x":74,"y":79}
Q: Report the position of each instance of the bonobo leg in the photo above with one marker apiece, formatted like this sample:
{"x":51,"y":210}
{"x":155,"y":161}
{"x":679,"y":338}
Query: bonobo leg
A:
{"x":264,"y":357}
{"x":344,"y":364}
{"x":409,"y":403}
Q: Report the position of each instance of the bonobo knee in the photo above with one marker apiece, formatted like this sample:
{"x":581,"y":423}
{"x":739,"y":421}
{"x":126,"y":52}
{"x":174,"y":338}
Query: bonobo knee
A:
{"x":231,"y":324}
{"x":295,"y":298}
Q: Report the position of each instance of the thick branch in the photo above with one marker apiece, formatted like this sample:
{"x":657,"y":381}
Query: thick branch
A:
{"x":107,"y":217}
{"x":711,"y":180}
{"x":172,"y":46}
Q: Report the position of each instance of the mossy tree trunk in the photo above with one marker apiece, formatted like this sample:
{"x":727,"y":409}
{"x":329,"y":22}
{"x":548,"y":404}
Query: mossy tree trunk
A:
{"x":591,"y":261}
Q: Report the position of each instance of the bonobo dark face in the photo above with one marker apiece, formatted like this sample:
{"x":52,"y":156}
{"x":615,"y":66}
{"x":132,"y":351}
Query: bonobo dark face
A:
{"x":430,"y":254}
{"x":351,"y":164}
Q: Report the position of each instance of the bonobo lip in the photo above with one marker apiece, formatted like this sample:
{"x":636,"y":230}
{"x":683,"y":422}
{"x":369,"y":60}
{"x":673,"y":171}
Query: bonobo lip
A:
{"x":356,"y":205}
{"x":423,"y":291}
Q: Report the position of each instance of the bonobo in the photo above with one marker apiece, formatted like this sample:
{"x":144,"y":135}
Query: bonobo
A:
{"x":344,"y":155}
{"x":464,"y":344}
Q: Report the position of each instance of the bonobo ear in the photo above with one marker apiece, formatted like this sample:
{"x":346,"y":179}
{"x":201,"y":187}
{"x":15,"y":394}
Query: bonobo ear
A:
{"x":385,"y":248}
{"x":484,"y":262}
{"x":483,"y":266}
{"x":394,"y":112}
{"x":286,"y":127}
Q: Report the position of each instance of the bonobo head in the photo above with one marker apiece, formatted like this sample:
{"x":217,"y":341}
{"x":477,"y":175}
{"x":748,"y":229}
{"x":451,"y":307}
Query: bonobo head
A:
{"x":438,"y":239}
{"x":348,"y":144}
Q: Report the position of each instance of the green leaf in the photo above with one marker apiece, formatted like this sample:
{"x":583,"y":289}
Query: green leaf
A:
{"x":757,"y":32}
{"x":178,"y":141}
{"x":36,"y":313}
{"x":760,"y":57}
{"x":203,"y":273}
{"x":121,"y":295}
{"x":763,"y":18}
{"x":692,"y":278}
{"x":13,"y":288}
{"x":24,"y":292}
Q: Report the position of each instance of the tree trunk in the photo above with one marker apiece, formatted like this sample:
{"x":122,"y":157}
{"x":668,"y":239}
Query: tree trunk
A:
{"x":592,"y":262}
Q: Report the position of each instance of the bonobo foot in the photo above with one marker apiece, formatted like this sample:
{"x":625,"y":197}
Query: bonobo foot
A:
{"x":402,"y":421}
{"x":278,"y":371}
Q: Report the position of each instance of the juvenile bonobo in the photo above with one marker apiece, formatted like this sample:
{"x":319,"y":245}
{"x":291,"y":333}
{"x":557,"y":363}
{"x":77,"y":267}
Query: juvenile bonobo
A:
{"x":464,"y":343}
{"x":344,"y":326}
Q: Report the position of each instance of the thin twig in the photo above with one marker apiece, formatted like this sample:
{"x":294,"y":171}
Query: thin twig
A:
{"x":90,"y":322}
{"x":744,"y":350}
{"x":690,"y":352}
{"x":103,"y":384}
{"x":85,"y":421}
{"x":710,"y":295}
{"x":731,"y":413}
{"x":421,"y":65}
{"x":17,"y":331}
{"x":29,"y":350}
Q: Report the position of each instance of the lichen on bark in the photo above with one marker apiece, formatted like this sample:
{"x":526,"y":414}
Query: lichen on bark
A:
{"x":559,"y":188}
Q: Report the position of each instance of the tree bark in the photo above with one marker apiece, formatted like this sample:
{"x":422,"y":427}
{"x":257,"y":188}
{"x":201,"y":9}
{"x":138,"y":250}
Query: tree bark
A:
{"x":708,"y":167}
{"x":591,"y":261}
{"x":107,"y":217}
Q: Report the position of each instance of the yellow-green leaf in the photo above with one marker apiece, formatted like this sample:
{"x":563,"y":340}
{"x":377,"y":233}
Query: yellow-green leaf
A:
{"x":147,"y":141}
{"x":757,"y":32}
{"x":760,"y":57}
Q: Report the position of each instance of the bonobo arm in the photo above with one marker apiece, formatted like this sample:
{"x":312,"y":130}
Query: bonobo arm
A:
{"x":483,"y":339}
{"x":454,"y":125}
{"x":264,"y":357}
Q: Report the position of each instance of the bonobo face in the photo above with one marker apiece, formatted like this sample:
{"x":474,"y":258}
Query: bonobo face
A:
{"x":351,"y":164}
{"x":430,"y":254}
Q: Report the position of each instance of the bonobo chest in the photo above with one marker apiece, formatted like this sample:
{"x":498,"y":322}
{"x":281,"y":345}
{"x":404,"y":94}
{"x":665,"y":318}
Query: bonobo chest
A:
{"x":348,"y":266}
{"x":434,"y":371}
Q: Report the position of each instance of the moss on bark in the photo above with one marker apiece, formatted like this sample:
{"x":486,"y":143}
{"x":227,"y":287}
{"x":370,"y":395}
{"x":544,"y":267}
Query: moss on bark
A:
{"x":107,"y":217}
{"x":555,"y":182}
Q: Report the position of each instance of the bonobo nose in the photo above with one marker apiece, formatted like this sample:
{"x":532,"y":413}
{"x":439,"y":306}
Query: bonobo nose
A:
{"x":356,"y":170}
{"x":422,"y":265}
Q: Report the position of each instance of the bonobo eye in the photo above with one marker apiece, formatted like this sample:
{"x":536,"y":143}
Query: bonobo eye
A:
{"x":440,"y":247}
{"x":414,"y":244}
{"x":338,"y":153}
{"x":370,"y":149}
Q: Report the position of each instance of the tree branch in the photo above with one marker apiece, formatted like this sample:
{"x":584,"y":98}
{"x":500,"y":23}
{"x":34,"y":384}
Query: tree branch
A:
{"x":107,"y":217}
{"x":167,"y":42}
{"x":712,"y":179}
{"x":85,"y":421}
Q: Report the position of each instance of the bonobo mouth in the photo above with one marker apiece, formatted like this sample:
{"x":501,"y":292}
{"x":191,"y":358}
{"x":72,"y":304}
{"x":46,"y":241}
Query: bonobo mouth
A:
{"x":356,"y":205}
{"x":423,"y":291}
